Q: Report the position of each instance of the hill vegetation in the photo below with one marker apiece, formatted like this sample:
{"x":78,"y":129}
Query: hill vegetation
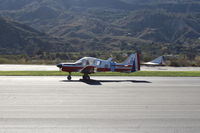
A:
{"x":154,"y":27}
{"x":18,"y":38}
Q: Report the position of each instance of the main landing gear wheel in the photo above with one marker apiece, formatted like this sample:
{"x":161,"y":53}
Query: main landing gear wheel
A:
{"x":86,"y":77}
{"x":69,"y":77}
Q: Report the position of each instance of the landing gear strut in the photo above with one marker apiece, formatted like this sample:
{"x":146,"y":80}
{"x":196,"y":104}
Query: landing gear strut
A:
{"x":69,"y":77}
{"x":86,"y":77}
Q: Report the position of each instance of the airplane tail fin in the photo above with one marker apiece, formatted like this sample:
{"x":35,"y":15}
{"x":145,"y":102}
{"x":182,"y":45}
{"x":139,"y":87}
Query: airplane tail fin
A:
{"x":110,"y":59}
{"x":134,"y":61}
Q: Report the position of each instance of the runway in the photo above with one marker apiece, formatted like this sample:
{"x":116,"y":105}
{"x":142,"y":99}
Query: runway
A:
{"x":104,"y":105}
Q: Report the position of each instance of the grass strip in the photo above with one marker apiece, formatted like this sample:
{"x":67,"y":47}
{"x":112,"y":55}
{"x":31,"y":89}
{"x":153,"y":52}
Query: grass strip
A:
{"x":141,"y":73}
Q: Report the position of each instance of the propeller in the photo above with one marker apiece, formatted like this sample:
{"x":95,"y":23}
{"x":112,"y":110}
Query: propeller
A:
{"x":60,"y":66}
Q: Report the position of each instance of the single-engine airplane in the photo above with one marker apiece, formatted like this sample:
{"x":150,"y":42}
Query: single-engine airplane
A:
{"x":89,"y":65}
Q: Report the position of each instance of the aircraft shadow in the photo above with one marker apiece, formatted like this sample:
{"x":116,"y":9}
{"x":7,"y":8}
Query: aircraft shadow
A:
{"x":99,"y":82}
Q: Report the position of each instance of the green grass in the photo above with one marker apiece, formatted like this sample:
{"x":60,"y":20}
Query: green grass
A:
{"x":141,"y":73}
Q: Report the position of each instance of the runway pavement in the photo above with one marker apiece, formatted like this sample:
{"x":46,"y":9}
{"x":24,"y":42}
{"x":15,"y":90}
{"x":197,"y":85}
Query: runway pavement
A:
{"x":104,"y":105}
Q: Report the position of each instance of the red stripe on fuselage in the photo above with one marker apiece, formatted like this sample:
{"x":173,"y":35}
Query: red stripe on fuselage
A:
{"x":76,"y":69}
{"x":71,"y":69}
{"x":103,"y":69}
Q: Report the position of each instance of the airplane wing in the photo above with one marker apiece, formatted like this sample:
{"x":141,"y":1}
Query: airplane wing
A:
{"x":88,"y":69}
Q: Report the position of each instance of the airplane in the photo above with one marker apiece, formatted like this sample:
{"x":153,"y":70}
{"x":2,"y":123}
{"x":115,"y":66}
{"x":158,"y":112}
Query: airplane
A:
{"x":89,"y":65}
{"x":156,"y":62}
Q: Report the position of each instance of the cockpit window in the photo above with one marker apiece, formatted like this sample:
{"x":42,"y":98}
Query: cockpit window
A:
{"x":79,"y":61}
{"x":98,"y":63}
{"x":91,"y":61}
{"x":85,"y":61}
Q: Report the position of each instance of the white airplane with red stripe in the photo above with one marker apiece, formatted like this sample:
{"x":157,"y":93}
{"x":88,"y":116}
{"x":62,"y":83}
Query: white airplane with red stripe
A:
{"x":89,"y":65}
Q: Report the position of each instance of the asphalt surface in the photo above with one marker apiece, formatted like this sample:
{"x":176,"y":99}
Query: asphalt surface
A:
{"x":104,"y":105}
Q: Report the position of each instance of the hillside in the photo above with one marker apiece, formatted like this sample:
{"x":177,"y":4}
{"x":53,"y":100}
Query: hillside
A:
{"x":152,"y":26}
{"x":18,"y":38}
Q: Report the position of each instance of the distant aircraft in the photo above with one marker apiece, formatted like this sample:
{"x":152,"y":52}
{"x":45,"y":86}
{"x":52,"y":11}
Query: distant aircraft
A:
{"x":156,"y":62}
{"x":89,"y":65}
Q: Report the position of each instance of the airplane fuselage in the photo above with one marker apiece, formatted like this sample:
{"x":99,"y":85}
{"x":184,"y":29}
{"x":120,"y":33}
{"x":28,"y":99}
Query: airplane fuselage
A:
{"x":118,"y":68}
